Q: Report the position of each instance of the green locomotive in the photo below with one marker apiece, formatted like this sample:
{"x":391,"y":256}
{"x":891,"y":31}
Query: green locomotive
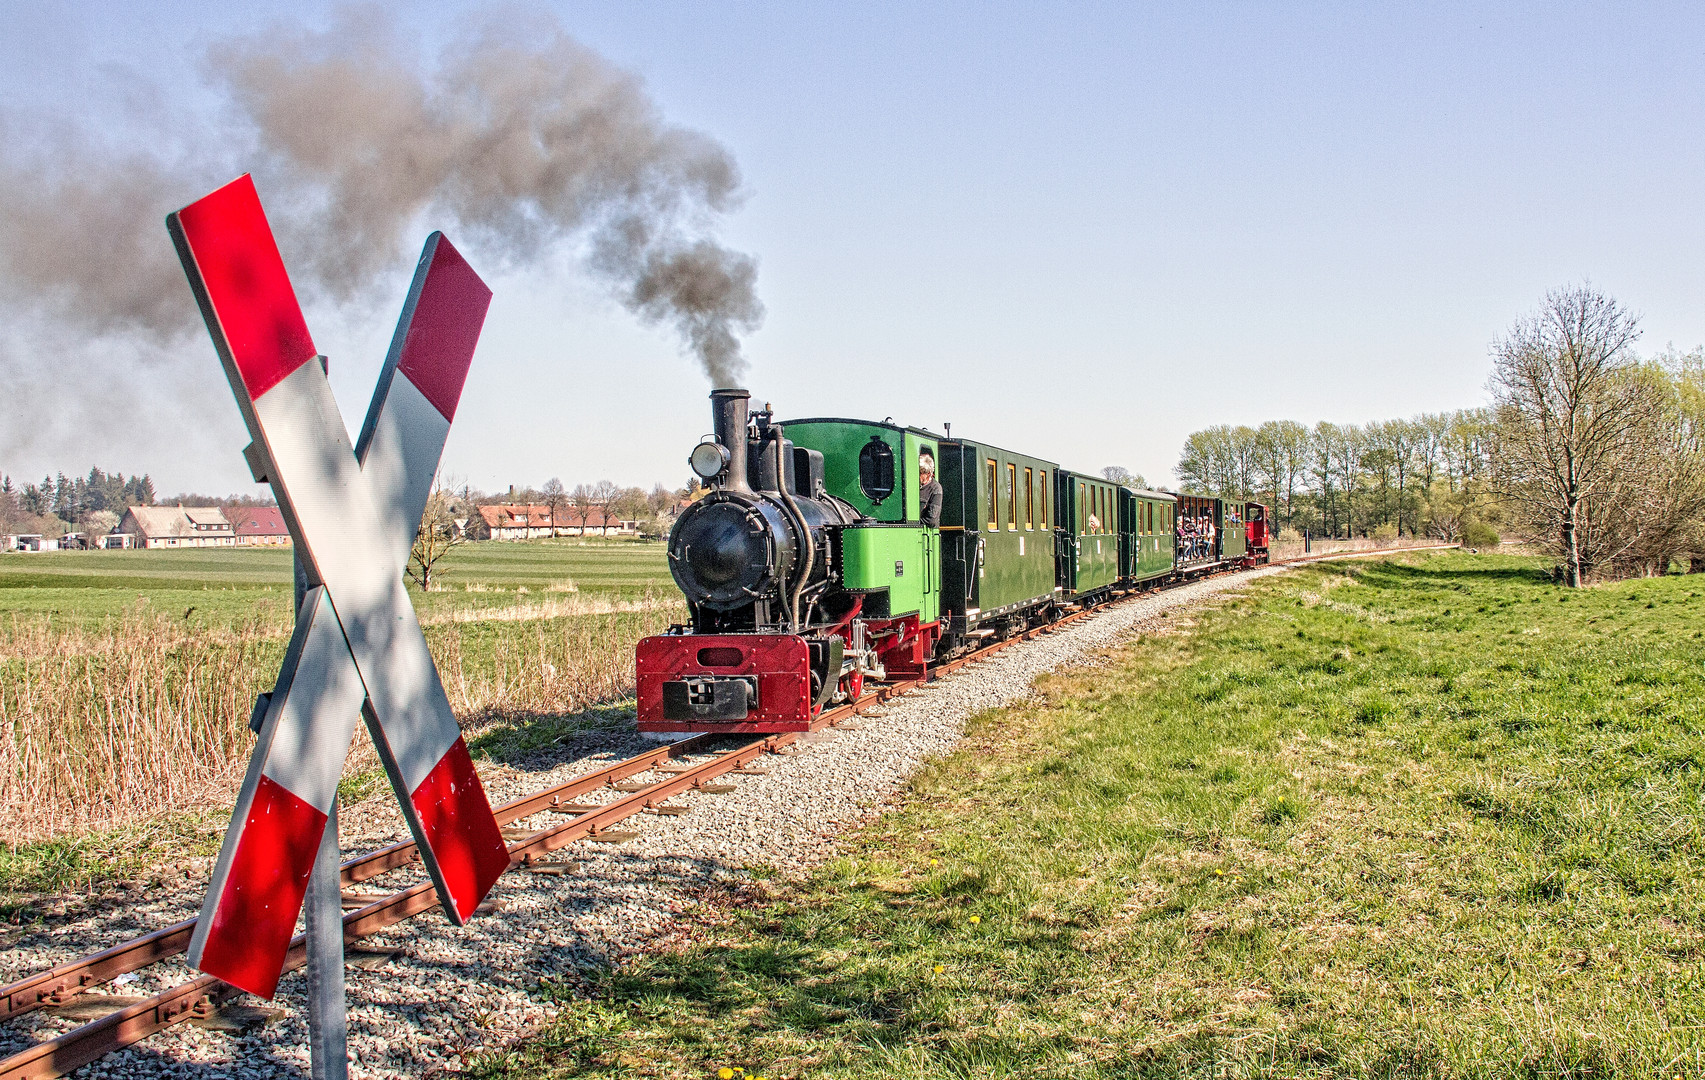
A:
{"x":818,"y":563}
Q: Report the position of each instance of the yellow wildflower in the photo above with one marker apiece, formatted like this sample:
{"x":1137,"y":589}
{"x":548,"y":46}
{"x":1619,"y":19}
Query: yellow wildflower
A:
{"x":975,"y":919}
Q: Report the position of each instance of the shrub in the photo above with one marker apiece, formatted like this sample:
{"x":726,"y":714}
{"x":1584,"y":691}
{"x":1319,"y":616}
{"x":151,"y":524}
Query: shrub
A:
{"x":1386,"y":534}
{"x":1478,"y":534}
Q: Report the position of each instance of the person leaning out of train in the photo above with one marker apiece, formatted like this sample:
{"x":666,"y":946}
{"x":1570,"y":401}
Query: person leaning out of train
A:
{"x":929,"y":492}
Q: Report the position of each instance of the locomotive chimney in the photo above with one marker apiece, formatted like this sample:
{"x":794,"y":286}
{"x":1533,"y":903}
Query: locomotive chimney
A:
{"x":728,"y":420}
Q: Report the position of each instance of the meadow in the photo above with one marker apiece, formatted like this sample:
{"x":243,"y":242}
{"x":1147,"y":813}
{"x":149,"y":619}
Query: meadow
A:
{"x":127,"y":678}
{"x":1428,"y":816}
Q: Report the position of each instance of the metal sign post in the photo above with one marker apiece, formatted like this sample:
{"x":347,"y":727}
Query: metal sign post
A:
{"x":352,"y":511}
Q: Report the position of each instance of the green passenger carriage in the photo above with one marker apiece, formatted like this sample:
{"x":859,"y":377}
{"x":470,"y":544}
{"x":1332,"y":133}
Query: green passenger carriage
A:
{"x":997,"y":537}
{"x":1090,"y":541}
{"x":1146,"y":550}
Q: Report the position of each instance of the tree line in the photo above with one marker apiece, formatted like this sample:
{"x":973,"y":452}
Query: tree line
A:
{"x":576,"y":507}
{"x":60,"y":503}
{"x":1586,"y":448}
{"x":1425,"y":476}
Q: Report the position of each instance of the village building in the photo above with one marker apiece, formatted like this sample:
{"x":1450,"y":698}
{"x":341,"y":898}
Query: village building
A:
{"x":596,"y":525}
{"x":177,"y":526}
{"x":518,"y":521}
{"x":515,"y":521}
{"x":258,"y":526}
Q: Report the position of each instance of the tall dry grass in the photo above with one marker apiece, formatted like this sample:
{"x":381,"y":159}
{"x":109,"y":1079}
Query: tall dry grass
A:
{"x":505,"y":670}
{"x":1293,"y":549}
{"x":147,"y":716}
{"x":138,"y":717}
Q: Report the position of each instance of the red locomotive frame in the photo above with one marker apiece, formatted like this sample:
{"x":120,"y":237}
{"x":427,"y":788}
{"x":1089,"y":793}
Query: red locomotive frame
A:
{"x":764,"y":676}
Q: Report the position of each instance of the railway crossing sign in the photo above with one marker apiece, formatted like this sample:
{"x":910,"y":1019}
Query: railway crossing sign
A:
{"x":352,"y":511}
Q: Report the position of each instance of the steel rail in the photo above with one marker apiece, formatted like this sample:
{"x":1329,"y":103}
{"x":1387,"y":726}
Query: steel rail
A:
{"x":201,"y":996}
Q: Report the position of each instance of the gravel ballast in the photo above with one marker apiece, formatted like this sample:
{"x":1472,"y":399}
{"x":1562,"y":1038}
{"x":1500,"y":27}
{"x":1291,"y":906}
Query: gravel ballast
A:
{"x":453,"y":991}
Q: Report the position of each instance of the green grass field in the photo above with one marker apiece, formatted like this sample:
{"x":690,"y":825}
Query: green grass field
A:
{"x":225,"y":586}
{"x":1430,"y":816}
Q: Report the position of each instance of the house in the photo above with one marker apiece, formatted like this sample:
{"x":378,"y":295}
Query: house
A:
{"x":117,"y":541}
{"x":515,"y":521}
{"x":32,"y":542}
{"x":178,"y":526}
{"x":258,"y":526}
{"x":596,"y":524}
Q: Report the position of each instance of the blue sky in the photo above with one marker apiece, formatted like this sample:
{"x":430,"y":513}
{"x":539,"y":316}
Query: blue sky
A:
{"x":1136,"y":219}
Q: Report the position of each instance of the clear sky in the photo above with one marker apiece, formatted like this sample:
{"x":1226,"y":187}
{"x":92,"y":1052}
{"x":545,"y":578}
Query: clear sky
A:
{"x":1078,"y":230}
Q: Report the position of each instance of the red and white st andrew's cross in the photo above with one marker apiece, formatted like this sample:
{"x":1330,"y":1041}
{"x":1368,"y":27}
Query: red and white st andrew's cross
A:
{"x":358,"y":648}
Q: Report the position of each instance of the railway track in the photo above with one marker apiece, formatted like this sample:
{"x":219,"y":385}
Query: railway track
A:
{"x":202,"y":998}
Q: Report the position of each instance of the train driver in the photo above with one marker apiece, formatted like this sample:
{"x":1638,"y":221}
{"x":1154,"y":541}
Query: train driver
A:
{"x":929,"y":492}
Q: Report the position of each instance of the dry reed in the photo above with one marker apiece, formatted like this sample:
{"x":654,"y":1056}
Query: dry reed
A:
{"x":146,"y":716}
{"x":138,"y":717}
{"x":550,"y":667}
{"x":1293,"y":549}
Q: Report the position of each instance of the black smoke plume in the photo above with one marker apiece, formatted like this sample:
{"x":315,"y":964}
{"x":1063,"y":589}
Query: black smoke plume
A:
{"x":523,"y":143}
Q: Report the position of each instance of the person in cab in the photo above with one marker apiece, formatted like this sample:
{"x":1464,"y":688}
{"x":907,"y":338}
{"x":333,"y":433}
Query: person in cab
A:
{"x":929,"y":492}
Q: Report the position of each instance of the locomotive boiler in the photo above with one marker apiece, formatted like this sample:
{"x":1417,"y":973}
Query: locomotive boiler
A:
{"x":789,"y":611}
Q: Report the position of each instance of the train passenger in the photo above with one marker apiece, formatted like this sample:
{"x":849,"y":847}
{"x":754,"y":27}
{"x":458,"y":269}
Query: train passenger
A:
{"x":929,"y":492}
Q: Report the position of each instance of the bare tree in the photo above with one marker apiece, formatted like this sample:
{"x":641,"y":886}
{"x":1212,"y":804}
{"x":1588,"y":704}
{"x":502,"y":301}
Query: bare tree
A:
{"x":1124,"y":477}
{"x":629,"y":504}
{"x":582,"y":502}
{"x":1570,"y":408}
{"x":435,"y":538}
{"x":555,"y":497}
{"x":604,"y":495}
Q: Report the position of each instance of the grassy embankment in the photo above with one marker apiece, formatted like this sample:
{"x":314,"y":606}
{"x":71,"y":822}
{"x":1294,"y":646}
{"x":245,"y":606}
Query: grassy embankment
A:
{"x":126,"y":680}
{"x":1425,"y":817}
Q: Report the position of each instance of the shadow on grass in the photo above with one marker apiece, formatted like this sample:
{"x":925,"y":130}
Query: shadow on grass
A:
{"x":1398,"y":575}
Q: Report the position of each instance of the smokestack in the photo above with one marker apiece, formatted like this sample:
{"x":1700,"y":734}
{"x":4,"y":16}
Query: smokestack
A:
{"x":728,"y":420}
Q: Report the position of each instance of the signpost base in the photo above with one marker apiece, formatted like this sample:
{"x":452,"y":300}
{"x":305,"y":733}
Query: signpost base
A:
{"x":328,"y":1014}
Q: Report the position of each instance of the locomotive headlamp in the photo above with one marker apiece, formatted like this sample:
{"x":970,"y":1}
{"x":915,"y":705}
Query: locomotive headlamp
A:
{"x":708,"y":459}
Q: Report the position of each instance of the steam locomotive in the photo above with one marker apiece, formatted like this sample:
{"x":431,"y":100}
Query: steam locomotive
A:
{"x":810,"y":572}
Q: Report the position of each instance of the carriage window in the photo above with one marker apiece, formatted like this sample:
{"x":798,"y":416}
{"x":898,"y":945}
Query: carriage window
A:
{"x":1042,"y":499}
{"x":994,"y":497}
{"x":876,"y":469}
{"x":1029,"y":498}
{"x":1082,"y":508}
{"x":1011,"y":496}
